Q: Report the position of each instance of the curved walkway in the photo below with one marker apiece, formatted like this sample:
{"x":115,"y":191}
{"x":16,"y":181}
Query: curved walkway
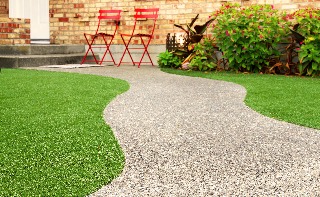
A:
{"x":185,"y":136}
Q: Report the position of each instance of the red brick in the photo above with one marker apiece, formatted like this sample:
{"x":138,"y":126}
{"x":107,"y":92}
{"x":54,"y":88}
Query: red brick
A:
{"x":4,"y":30}
{"x":79,"y":5}
{"x":24,"y":36}
{"x":13,"y":25}
{"x":63,"y":19}
{"x":3,"y":36}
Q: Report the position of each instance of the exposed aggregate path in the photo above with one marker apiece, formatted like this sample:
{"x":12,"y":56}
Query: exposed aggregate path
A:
{"x":185,"y":136}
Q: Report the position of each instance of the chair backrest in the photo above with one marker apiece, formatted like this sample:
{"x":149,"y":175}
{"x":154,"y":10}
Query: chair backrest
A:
{"x":142,"y":14}
{"x":113,"y":19}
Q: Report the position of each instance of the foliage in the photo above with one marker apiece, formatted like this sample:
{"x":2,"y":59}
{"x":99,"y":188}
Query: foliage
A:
{"x":193,"y":36}
{"x":204,"y":56}
{"x":309,"y":54}
{"x":196,"y":34}
{"x":168,"y":60}
{"x":291,"y":99}
{"x":54,"y":141}
{"x":310,"y":57}
{"x":251,"y":40}
{"x":249,"y":36}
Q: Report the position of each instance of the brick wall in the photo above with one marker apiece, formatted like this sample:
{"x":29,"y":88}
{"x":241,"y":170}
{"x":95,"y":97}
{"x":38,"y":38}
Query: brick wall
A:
{"x":14,"y":31}
{"x":70,"y":18}
{"x":4,"y":8}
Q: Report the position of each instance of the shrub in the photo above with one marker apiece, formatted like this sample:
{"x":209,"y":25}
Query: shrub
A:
{"x":249,"y":37}
{"x":204,"y":57}
{"x":309,"y":54}
{"x":168,"y":60}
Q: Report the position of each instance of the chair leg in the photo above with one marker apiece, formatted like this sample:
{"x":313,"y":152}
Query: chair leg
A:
{"x":114,"y":62}
{"x":89,"y":49}
{"x":107,"y":49}
{"x":145,"y":52}
{"x":126,"y":50}
{"x":105,"y":53}
{"x":85,"y":56}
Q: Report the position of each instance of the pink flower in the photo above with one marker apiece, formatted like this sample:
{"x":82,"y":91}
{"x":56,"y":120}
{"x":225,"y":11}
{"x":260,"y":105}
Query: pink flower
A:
{"x":297,"y":49}
{"x":301,"y":43}
{"x":272,"y":7}
{"x":261,"y":36}
{"x":185,"y":66}
{"x":227,"y":33}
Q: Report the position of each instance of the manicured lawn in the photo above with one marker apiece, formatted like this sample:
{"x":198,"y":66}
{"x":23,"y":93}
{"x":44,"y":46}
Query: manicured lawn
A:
{"x":288,"y":98}
{"x":53,"y":139}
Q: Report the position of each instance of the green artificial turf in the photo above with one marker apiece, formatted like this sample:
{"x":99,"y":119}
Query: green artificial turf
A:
{"x":289,"y":98}
{"x":53,"y":138}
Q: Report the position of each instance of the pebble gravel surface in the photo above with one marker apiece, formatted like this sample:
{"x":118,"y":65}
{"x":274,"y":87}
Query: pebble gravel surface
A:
{"x":185,"y":136}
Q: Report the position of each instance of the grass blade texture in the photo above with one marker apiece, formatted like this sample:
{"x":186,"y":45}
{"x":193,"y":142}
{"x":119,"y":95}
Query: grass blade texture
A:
{"x":289,"y":98}
{"x":53,"y":139}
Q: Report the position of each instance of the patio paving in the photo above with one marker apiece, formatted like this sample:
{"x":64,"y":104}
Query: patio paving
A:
{"x":185,"y":136}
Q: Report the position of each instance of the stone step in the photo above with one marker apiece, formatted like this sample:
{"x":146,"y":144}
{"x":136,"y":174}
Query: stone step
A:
{"x":16,"y":61}
{"x":41,"y":49}
{"x":15,"y":56}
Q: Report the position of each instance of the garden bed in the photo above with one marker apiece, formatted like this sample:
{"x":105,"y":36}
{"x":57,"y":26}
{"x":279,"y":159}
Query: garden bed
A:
{"x":258,"y":39}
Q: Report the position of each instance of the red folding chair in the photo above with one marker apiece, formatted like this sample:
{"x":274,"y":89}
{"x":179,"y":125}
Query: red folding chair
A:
{"x":111,"y":19}
{"x":149,"y":16}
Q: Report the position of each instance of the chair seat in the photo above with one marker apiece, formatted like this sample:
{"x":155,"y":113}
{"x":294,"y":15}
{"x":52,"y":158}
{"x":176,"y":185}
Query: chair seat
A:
{"x":99,"y":34}
{"x":104,"y":34}
{"x":142,"y":35}
{"x":137,"y":35}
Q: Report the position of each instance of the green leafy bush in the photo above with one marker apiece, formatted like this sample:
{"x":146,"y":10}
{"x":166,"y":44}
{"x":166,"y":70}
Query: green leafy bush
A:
{"x":309,"y":54}
{"x":204,"y":57}
{"x":168,"y":60}
{"x":249,"y":37}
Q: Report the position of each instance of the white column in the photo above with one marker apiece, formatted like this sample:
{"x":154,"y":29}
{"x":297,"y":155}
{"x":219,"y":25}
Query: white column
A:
{"x":38,"y":13}
{"x":19,"y":8}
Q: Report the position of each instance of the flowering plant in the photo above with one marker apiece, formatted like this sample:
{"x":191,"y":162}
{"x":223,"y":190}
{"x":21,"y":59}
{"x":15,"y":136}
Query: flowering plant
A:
{"x":309,"y":53}
{"x":249,"y":37}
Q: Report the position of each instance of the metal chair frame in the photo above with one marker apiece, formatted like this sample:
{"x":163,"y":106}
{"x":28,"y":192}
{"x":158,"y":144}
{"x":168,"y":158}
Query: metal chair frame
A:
{"x":114,"y":17}
{"x":140,"y":15}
